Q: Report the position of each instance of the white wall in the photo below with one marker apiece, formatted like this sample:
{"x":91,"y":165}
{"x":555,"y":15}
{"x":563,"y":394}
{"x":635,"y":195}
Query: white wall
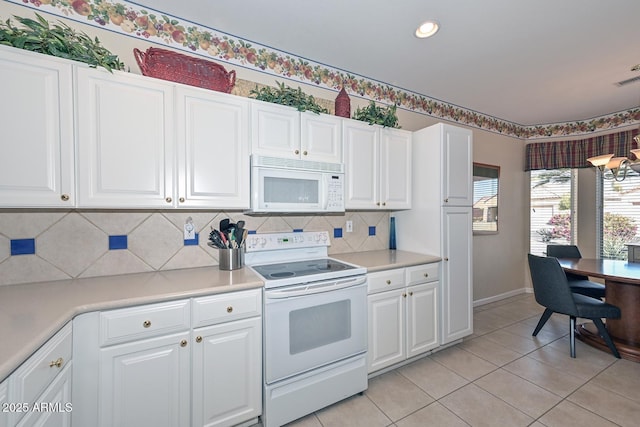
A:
{"x":499,"y":259}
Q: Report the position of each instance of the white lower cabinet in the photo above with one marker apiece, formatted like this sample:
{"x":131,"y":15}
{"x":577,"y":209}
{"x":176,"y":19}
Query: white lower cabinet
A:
{"x":403,"y":314}
{"x":38,"y":393}
{"x":145,"y":383}
{"x":54,"y":406}
{"x":180,"y":363}
{"x":227,"y":374}
{"x":4,"y":402}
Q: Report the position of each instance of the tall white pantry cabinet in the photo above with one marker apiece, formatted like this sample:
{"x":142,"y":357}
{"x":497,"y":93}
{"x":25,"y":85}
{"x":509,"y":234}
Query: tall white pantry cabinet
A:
{"x":440,"y":221}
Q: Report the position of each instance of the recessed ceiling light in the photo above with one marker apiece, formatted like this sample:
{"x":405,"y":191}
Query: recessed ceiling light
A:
{"x":427,"y":29}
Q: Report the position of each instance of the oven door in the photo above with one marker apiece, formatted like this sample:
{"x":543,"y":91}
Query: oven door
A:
{"x":312,"y":325}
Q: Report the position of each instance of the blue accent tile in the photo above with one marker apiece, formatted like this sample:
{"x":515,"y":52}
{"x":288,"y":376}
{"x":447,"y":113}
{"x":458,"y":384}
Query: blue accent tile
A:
{"x":118,"y":242}
{"x":23,"y":246}
{"x":337,"y":233}
{"x":193,"y":242}
{"x":297,"y":230}
{"x":372,"y":230}
{"x":252,"y":232}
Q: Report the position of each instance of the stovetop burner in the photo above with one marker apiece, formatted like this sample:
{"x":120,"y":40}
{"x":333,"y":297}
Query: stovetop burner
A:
{"x":300,"y":268}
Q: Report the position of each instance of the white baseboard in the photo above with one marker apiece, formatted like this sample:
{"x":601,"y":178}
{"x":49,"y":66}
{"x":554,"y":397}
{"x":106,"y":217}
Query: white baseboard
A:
{"x":505,"y":295}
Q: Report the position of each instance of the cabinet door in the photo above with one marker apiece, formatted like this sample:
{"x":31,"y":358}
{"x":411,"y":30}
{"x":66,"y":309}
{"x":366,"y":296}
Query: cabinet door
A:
{"x":361,"y":162}
{"x":457,"y":277}
{"x":125,"y":140}
{"x":395,"y":169}
{"x":422,"y":318}
{"x":145,"y":383}
{"x":386,"y":329}
{"x":457,"y":166}
{"x":36,"y":116}
{"x":275,"y":130}
{"x":4,"y":399}
{"x":321,"y":137}
{"x":213,"y":150}
{"x":54,"y":405}
{"x":227,"y":373}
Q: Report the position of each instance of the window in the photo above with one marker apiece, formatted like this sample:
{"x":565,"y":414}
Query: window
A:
{"x":620,"y":215}
{"x":552,"y":209}
{"x":485,"y":198}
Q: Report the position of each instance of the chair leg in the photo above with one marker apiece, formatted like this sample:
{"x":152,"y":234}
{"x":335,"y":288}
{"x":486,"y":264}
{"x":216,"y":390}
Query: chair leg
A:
{"x":572,"y":336}
{"x":543,"y":319}
{"x":605,"y":335}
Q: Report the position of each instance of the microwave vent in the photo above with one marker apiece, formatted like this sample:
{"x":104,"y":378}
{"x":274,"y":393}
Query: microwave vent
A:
{"x":307,"y":165}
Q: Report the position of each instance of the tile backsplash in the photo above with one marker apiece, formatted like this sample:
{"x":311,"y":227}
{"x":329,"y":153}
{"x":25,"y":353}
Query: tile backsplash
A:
{"x":42,"y":245}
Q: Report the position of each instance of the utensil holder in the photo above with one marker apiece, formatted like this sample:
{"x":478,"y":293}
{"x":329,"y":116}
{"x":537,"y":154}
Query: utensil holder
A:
{"x":231,"y":259}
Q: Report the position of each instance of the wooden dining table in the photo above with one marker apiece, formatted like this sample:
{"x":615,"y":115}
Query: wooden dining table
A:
{"x":622,"y":289}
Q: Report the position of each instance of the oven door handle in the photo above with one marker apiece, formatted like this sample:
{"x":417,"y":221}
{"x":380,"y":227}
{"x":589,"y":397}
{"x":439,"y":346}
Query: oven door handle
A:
{"x":310,"y":289}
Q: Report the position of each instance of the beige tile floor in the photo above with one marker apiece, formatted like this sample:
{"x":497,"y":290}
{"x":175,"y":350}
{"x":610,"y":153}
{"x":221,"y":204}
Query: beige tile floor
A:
{"x":499,"y":376}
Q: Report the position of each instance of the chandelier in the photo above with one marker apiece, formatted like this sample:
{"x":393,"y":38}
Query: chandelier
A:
{"x":618,"y":166}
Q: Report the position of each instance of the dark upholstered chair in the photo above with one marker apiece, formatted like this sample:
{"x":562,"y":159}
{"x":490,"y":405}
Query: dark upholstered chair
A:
{"x":578,"y":283}
{"x":552,"y":291}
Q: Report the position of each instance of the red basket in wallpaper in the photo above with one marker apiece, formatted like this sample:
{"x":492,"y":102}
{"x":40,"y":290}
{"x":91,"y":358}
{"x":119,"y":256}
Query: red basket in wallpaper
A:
{"x":176,"y":67}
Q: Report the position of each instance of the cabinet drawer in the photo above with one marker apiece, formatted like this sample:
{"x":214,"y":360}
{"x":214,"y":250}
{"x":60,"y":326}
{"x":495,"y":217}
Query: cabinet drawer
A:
{"x":226,"y":307}
{"x":423,"y":273}
{"x":144,"y":321}
{"x":34,"y":375}
{"x":385,"y":280}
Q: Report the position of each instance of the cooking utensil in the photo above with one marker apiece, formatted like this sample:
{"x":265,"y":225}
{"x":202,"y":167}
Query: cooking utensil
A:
{"x":216,"y":240}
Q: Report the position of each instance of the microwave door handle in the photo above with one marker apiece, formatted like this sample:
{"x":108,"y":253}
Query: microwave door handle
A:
{"x":333,"y":285}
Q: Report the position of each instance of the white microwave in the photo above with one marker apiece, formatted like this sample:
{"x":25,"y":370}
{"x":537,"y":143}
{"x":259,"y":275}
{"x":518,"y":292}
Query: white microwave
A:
{"x":292,"y":185}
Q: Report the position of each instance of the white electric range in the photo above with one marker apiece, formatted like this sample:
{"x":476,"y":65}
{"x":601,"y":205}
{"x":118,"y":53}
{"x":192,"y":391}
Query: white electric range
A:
{"x":314,"y":323}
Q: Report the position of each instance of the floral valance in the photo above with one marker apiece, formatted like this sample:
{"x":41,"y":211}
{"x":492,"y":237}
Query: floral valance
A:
{"x":574,"y":154}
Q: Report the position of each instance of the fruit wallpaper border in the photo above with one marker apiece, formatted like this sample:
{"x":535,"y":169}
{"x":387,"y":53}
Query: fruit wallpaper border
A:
{"x":135,"y":21}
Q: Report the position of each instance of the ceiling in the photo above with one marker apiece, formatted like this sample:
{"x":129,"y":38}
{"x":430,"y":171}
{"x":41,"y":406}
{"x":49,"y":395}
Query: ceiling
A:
{"x":529,"y":63}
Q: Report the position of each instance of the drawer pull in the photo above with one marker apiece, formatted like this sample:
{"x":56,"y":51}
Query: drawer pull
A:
{"x":404,"y":295}
{"x":57,"y":363}
{"x":229,"y":309}
{"x":388,"y":282}
{"x":198,"y":338}
{"x":426,"y":274}
{"x":411,"y":293}
{"x":64,"y":197}
{"x":146,"y":323}
{"x":183,"y":343}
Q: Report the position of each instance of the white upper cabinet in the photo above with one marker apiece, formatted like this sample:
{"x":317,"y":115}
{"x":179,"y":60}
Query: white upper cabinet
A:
{"x":457,"y":166}
{"x":275,"y":130}
{"x":321,"y":137}
{"x":36,"y":118}
{"x":377,"y":166}
{"x":281,"y":131}
{"x":125,"y":140}
{"x":395,"y":169}
{"x":213,"y":149}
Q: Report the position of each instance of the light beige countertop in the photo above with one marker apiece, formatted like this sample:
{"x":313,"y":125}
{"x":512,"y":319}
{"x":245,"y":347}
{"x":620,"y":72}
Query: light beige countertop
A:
{"x":30,"y":314}
{"x":386,"y":259}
